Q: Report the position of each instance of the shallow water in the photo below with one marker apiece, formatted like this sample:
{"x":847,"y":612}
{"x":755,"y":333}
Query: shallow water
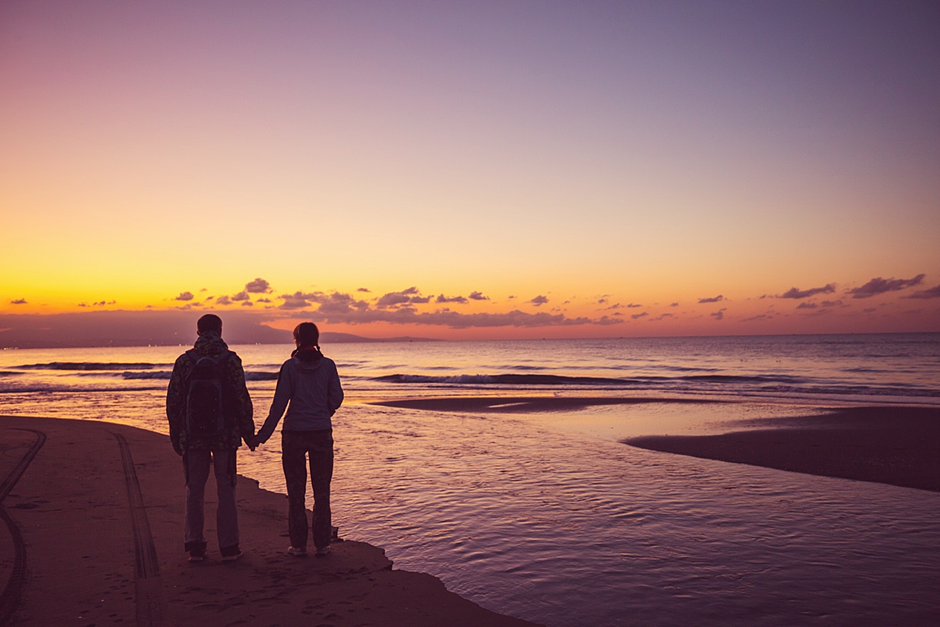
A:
{"x":546,"y":516}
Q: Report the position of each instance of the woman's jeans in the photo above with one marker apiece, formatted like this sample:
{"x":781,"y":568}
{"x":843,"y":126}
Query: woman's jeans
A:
{"x":296,"y":447}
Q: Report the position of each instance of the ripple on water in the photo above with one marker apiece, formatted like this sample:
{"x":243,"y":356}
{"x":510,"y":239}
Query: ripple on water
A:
{"x":567,"y":530}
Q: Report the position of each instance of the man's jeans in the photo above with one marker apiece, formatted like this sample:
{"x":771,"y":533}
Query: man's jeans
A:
{"x":295,"y":447}
{"x":196,"y":466}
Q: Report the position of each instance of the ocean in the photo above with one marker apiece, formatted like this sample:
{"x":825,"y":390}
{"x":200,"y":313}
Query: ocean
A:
{"x":547,"y":515}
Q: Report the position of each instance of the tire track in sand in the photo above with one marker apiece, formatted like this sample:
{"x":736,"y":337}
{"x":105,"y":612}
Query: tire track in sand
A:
{"x":150,"y":600}
{"x":10,"y":597}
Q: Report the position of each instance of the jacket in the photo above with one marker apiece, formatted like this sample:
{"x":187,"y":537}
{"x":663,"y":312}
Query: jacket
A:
{"x":309,"y":383}
{"x":237,"y":402}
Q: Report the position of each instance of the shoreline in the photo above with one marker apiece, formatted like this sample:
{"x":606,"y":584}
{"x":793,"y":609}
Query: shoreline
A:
{"x":891,"y":444}
{"x":94,"y":524}
{"x":529,"y":404}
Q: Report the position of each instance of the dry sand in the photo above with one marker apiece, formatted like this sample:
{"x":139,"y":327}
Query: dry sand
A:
{"x":92,"y":535}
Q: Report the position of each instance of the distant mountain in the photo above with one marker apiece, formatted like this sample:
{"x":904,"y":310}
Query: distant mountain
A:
{"x":147,"y":328}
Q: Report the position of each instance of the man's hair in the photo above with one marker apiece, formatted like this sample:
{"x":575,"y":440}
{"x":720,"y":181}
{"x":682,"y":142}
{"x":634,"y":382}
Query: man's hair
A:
{"x":209,"y":322}
{"x":307,"y":334}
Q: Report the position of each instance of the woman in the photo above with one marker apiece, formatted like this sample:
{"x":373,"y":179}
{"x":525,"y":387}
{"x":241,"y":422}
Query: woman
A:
{"x":308,"y":387}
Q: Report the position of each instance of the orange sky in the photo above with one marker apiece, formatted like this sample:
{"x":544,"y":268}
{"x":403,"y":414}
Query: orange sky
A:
{"x":585,"y":170}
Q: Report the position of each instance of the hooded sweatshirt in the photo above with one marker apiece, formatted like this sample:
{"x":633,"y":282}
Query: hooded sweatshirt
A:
{"x":308,"y":386}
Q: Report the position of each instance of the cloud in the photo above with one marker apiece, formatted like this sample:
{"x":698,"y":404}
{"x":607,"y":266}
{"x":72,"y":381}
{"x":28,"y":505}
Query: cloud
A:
{"x":340,"y":303}
{"x":831,"y":303}
{"x":763,"y":316}
{"x":248,"y":303}
{"x":662,"y":317}
{"x":243,"y":295}
{"x":297,"y":300}
{"x":539,"y":300}
{"x":633,"y":306}
{"x":263,"y":300}
{"x":19,"y":301}
{"x":797,"y":293}
{"x":720,"y":314}
{"x":675,"y":304}
{"x":879,"y":286}
{"x":366,"y":314}
{"x":639,"y":315}
{"x":602,"y":301}
{"x":102,"y":303}
{"x":714,"y":299}
{"x":452,"y":299}
{"x":807,"y":306}
{"x":364,"y":289}
{"x":478,"y":296}
{"x":933,"y":292}
{"x":410,"y":296}
{"x":185,"y":296}
{"x":223,"y":300}
{"x":258,"y":286}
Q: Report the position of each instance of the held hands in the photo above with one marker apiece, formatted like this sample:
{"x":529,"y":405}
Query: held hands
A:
{"x":252,"y":443}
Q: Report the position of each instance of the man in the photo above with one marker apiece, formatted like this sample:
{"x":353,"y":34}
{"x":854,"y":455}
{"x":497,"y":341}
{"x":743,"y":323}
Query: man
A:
{"x":210,"y":413}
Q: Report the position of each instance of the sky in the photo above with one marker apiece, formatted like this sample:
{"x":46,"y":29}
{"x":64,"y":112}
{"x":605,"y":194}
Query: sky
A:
{"x":469,"y":170}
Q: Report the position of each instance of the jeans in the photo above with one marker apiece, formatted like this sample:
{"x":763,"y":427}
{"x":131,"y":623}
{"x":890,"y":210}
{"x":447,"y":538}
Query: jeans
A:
{"x":296,"y":446}
{"x":196,"y":467}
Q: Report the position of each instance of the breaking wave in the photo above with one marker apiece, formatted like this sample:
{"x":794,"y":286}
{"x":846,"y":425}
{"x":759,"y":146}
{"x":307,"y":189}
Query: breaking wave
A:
{"x":723,"y":384}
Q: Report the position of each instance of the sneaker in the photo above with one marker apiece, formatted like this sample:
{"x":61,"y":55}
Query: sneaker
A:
{"x":323,"y":551}
{"x":296,"y":551}
{"x":230,"y":553}
{"x":197,"y":556}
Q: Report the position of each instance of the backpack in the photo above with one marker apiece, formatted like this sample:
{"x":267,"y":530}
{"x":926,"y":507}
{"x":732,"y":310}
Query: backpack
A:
{"x":204,"y":407}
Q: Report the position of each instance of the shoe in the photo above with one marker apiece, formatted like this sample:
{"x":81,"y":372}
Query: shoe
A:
{"x":323,"y":551}
{"x":197,"y":556}
{"x":296,"y":552}
{"x":230,"y":553}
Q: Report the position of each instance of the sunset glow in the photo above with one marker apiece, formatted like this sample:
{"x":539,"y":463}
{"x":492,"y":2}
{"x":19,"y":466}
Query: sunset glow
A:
{"x":471,"y":170}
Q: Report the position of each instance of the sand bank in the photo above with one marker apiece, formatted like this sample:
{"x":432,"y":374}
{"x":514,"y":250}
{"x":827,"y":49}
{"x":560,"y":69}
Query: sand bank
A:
{"x":522,"y":404}
{"x":894,"y":445}
{"x":92,"y":535}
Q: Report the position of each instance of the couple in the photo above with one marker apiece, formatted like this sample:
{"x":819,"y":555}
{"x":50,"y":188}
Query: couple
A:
{"x":210,"y":413}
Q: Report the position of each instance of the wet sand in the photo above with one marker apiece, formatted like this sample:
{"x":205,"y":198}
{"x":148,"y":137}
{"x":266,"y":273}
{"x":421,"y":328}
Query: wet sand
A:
{"x":893,"y":445}
{"x":92,"y":535}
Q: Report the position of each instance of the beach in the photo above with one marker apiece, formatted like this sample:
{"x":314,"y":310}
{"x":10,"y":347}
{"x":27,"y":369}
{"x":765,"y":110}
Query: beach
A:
{"x":525,"y":494}
{"x":93,"y":536}
{"x":94,"y":512}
